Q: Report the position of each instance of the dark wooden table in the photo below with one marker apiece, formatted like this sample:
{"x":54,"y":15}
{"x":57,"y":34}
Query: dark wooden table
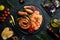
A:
{"x":19,"y":6}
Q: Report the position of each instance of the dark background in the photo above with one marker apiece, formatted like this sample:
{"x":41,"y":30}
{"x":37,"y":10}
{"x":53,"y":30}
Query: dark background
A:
{"x":19,"y":6}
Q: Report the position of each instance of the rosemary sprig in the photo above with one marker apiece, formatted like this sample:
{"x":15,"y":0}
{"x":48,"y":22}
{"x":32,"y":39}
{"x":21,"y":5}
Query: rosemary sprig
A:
{"x":44,"y":36}
{"x":19,"y":18}
{"x":10,"y":4}
{"x":38,"y":37}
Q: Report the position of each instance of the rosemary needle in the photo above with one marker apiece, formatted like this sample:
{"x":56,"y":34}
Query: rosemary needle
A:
{"x":10,"y":4}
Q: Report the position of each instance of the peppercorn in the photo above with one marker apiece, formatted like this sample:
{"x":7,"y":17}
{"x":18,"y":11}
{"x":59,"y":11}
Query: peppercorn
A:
{"x":21,"y":1}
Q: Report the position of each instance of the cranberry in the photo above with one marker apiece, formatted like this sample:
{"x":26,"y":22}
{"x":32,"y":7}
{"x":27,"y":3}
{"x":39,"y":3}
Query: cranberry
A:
{"x":31,"y":30}
{"x":8,"y":10}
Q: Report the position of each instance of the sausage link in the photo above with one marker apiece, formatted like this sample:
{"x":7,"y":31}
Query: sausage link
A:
{"x":22,"y":13}
{"x":29,"y":11}
{"x":27,"y":7}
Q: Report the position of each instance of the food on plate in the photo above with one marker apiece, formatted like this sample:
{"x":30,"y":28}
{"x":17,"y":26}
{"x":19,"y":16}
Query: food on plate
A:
{"x":29,"y":11}
{"x":24,"y":23}
{"x":22,"y":13}
{"x":7,"y":33}
{"x":27,"y":7}
{"x":32,"y":21}
{"x":36,"y":20}
{"x":31,"y":29}
{"x":33,"y":8}
{"x":5,"y":14}
{"x":2,"y":7}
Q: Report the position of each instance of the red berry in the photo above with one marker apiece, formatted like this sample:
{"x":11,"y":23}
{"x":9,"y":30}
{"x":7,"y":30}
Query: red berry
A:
{"x":0,"y":17}
{"x":3,"y":15}
{"x":31,"y":30}
{"x":6,"y":15}
{"x":8,"y":10}
{"x":4,"y":18}
{"x":5,"y":11}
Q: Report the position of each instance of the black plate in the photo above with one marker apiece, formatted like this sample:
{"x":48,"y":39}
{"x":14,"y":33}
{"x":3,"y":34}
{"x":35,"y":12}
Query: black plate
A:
{"x":24,"y":31}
